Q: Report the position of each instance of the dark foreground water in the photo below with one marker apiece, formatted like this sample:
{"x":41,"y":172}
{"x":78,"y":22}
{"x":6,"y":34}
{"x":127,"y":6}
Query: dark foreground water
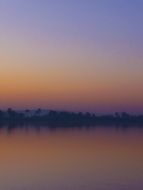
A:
{"x":99,"y":158}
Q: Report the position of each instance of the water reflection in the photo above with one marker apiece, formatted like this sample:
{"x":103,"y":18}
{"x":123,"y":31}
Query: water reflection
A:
{"x":71,"y":158}
{"x":11,"y":127}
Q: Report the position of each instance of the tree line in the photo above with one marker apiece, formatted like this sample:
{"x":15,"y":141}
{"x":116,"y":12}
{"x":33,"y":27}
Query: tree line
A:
{"x":65,"y":117}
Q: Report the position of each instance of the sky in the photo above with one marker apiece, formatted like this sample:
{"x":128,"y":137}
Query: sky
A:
{"x":79,"y":55}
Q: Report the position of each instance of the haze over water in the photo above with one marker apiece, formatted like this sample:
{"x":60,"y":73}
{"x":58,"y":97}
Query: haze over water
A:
{"x":95,"y":158}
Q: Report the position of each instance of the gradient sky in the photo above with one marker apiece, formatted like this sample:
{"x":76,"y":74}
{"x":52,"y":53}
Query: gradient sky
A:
{"x":72,"y":54}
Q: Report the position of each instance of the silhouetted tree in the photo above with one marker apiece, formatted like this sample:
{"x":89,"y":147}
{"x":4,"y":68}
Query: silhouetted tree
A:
{"x":38,"y":111}
{"x":117,"y":114}
{"x":11,"y":113}
{"x":27,"y":111}
{"x":1,"y":114}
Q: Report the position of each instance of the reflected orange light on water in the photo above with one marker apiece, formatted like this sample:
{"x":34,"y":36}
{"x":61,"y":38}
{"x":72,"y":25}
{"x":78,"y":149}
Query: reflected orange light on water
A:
{"x":66,"y":155}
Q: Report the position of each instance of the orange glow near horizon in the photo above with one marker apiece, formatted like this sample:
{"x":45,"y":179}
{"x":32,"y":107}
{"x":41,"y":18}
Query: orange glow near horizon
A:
{"x":45,"y":64}
{"x":58,"y":88}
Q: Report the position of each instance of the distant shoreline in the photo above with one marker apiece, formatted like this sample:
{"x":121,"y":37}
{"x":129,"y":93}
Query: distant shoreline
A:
{"x":65,"y":118}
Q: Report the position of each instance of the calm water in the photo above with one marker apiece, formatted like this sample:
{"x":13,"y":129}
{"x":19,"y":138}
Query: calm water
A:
{"x":101,"y":158}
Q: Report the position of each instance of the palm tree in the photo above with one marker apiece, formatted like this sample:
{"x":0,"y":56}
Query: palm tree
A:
{"x":1,"y":114}
{"x":38,"y":111}
{"x":11,"y":113}
{"x":27,"y":111}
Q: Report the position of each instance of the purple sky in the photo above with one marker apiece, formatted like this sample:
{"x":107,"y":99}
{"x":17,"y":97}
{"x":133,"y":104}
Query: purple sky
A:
{"x":72,"y":54}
